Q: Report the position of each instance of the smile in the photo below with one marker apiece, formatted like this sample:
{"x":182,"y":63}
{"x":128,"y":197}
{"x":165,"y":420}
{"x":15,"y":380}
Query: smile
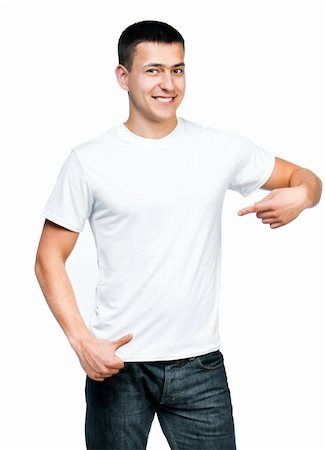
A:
{"x":166,"y":100}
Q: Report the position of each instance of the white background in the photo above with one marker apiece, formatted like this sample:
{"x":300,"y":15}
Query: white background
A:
{"x":255,"y":68}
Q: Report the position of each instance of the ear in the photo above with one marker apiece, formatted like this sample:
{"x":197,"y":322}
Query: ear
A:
{"x":122,"y":76}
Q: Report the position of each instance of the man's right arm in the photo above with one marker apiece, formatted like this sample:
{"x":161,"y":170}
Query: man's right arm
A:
{"x":96,"y":356}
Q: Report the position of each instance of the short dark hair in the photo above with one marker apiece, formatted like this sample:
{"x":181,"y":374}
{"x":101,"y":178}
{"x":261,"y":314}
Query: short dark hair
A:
{"x":145,"y":31}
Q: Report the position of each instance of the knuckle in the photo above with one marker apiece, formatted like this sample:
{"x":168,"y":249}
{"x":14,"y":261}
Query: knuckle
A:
{"x":109,"y":364}
{"x":102,"y":372}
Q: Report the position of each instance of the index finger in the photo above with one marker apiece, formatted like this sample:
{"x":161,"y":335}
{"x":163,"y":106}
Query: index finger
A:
{"x":247,"y":210}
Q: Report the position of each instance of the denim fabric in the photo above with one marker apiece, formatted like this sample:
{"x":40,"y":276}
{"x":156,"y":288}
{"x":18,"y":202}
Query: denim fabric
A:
{"x":190,"y":396}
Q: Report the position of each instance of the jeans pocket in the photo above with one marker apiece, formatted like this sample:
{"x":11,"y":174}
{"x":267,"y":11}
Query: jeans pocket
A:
{"x":122,"y":369}
{"x":210,"y":361}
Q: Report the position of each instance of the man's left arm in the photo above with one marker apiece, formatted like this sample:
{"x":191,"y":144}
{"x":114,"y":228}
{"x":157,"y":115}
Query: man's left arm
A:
{"x":293,"y":189}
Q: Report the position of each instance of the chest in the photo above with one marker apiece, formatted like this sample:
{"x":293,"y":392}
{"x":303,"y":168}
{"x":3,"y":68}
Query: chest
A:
{"x":128,"y":181}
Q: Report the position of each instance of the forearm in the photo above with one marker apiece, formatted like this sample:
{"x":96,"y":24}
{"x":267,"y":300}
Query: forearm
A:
{"x":59,"y":294}
{"x":311,"y":184}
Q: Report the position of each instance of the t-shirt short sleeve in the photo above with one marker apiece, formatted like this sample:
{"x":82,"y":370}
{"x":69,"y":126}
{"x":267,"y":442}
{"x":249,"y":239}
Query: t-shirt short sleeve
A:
{"x":252,"y":165}
{"x":70,"y":202}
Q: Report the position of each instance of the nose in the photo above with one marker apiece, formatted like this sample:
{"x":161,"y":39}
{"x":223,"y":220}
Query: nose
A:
{"x":167,"y":82}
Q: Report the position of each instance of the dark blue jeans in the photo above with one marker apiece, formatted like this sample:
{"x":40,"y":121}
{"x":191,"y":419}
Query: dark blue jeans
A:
{"x":190,"y":396}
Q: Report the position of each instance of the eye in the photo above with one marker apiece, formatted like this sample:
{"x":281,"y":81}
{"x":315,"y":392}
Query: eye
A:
{"x":151,"y":70}
{"x":181,"y":71}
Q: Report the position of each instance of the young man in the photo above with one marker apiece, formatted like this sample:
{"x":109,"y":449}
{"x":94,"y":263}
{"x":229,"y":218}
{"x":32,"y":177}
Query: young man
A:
{"x":152,"y":189}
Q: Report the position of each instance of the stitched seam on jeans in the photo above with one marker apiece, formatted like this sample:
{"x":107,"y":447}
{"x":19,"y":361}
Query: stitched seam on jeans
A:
{"x":201,"y":364}
{"x":133,"y":414}
{"x":165,"y":388}
{"x":170,"y":432}
{"x":177,"y":384}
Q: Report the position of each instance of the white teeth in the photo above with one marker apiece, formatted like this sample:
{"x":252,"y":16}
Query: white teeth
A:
{"x":164,"y":99}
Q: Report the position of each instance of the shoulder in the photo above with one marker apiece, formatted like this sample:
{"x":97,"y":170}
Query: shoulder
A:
{"x":95,"y":147}
{"x":203,"y":131}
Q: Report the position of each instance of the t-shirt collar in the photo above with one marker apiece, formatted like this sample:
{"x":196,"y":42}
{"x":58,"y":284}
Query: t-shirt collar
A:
{"x":135,"y":138}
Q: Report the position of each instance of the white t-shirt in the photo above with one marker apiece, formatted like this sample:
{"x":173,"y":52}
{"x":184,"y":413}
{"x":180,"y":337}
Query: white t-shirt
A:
{"x":154,"y":207}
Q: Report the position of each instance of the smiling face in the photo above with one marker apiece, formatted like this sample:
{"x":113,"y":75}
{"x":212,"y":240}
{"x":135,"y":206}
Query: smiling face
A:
{"x":156,"y":84}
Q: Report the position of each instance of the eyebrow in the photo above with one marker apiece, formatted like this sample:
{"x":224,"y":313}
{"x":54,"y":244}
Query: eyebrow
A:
{"x":163,"y":65}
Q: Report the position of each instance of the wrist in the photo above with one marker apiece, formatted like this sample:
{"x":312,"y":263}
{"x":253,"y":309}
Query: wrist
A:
{"x":77,"y":340}
{"x":307,"y":201}
{"x":308,"y":183}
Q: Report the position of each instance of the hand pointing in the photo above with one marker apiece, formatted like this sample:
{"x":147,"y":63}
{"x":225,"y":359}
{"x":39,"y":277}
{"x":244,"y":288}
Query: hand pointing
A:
{"x":279,"y":207}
